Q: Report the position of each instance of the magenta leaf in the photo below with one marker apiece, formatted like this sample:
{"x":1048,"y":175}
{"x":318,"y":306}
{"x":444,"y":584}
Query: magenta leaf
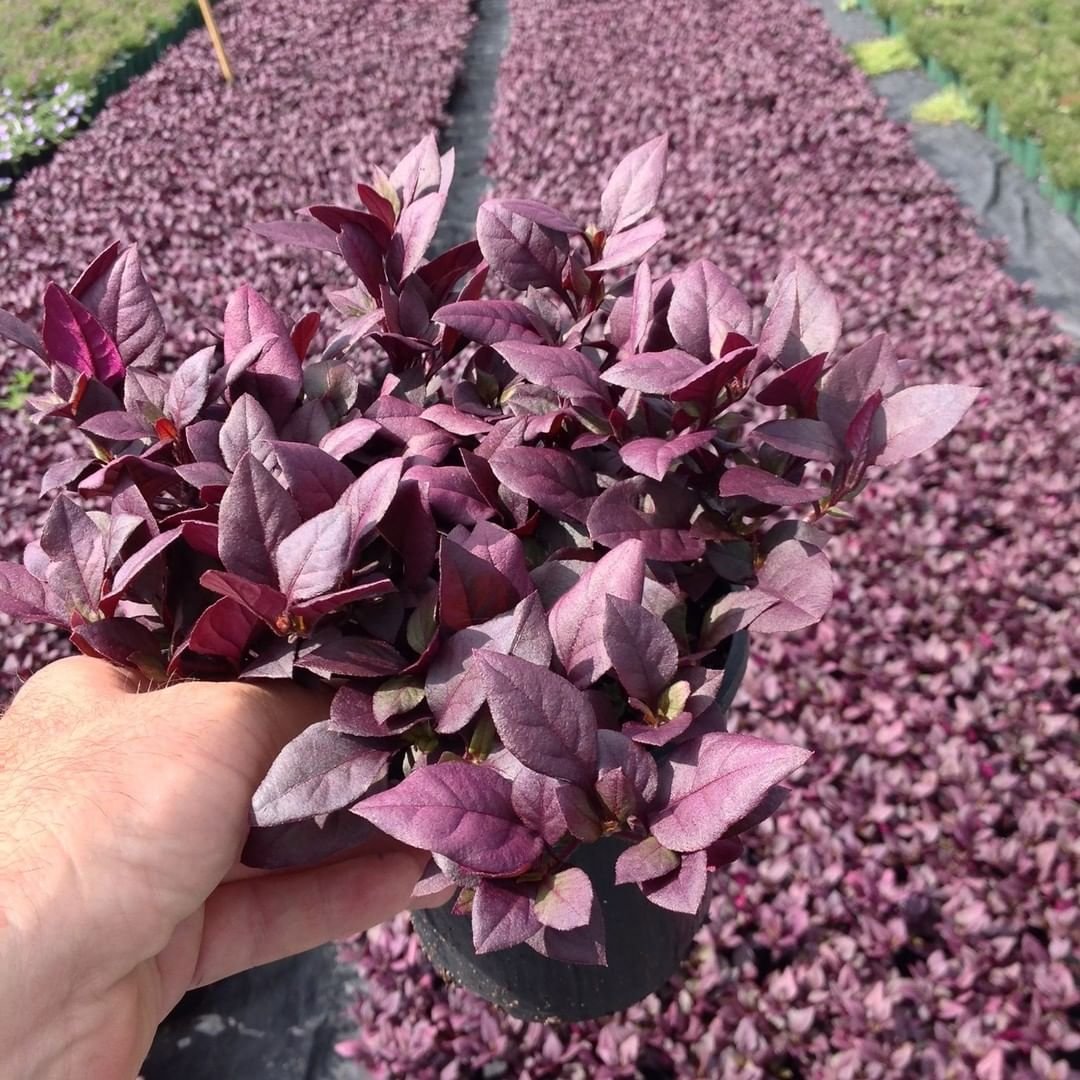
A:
{"x":312,"y":559}
{"x":657,"y":517}
{"x":535,"y":798}
{"x":565,"y":900}
{"x":646,"y":860}
{"x":682,"y":890}
{"x":583,"y":945}
{"x":442,"y":273}
{"x":918,"y":416}
{"x":458,"y":810}
{"x":853,"y":380}
{"x":626,"y":775}
{"x":23,"y":596}
{"x":17,"y":332}
{"x":566,"y":371}
{"x":257,"y":513}
{"x":248,"y":427}
{"x":654,"y":372}
{"x":556,"y":481}
{"x":353,"y":435}
{"x":356,"y":657}
{"x":577,"y":619}
{"x":803,"y":319}
{"x":121,"y":641}
{"x":314,"y":478}
{"x":765,"y":487}
{"x":643,"y":651}
{"x":630,"y":246}
{"x":261,"y":600}
{"x":503,"y":550}
{"x":502,"y":916}
{"x":471,"y":590}
{"x":489,"y":321}
{"x":653,"y":457}
{"x":224,"y":629}
{"x":634,"y":186}
{"x":812,"y":440}
{"x":708,"y":785}
{"x":76,"y":551}
{"x":302,"y":232}
{"x":115,"y":291}
{"x":453,"y":693}
{"x":794,"y":591}
{"x":116,"y":424}
{"x":413,"y":234}
{"x":74,"y":338}
{"x":541,"y":718}
{"x":796,"y":387}
{"x":320,"y":771}
{"x":705,"y":308}
{"x":521,"y":250}
{"x":188,"y":388}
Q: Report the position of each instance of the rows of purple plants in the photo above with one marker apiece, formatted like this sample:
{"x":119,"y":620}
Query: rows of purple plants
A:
{"x":181,"y":165}
{"x":912,"y":910}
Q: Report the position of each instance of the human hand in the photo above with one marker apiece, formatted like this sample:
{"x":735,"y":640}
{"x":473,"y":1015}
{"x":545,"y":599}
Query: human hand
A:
{"x":122,"y":817}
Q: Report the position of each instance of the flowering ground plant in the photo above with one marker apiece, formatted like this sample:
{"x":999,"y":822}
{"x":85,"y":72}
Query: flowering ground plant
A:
{"x":514,"y":535}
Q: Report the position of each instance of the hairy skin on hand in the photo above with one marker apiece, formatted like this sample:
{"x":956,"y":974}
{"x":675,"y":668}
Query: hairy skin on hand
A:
{"x":123,"y":812}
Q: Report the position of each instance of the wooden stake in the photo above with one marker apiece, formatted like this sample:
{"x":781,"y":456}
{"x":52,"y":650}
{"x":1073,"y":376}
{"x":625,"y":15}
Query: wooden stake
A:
{"x":215,"y":38}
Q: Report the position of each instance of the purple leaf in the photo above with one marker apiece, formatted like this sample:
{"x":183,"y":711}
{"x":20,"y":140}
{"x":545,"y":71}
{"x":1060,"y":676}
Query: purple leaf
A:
{"x":709,"y":381}
{"x":583,"y":945}
{"x":646,"y":860}
{"x":188,"y":388}
{"x":796,"y":387}
{"x":369,"y":497}
{"x":248,"y":427}
{"x":548,"y":216}
{"x":408,"y":527}
{"x":628,"y":247}
{"x":275,"y":375}
{"x":653,"y":457}
{"x":918,"y":416}
{"x":566,"y":371}
{"x":121,"y":641}
{"x":320,"y":771}
{"x":505,"y":552}
{"x":353,"y":435}
{"x":626,"y":775}
{"x":306,"y":233}
{"x":565,"y":901}
{"x":224,"y":629}
{"x":471,"y":590}
{"x":115,"y":291}
{"x":359,"y":658}
{"x":257,"y":513}
{"x":76,"y":551}
{"x":363,"y":254}
{"x":557,"y":481}
{"x":74,"y":338}
{"x":261,"y":600}
{"x":353,"y":712}
{"x":641,"y":308}
{"x":642,"y":649}
{"x":116,"y":424}
{"x":803,"y":319}
{"x":413,"y":235}
{"x":453,"y":694}
{"x":313,"y":477}
{"x":22,"y":596}
{"x":17,"y":332}
{"x":765,"y":487}
{"x":623,"y":514}
{"x":304,"y":843}
{"x":812,"y":440}
{"x":450,"y":493}
{"x":705,"y":308}
{"x":443,"y":272}
{"x":520,"y":250}
{"x":489,"y":321}
{"x":577,"y":619}
{"x":502,"y":916}
{"x":708,"y":785}
{"x":535,"y":798}
{"x":682,"y":890}
{"x":854,"y":378}
{"x":312,"y":559}
{"x":655,"y":372}
{"x":140,"y":561}
{"x":541,"y":718}
{"x":418,"y":172}
{"x":794,"y":591}
{"x":634,"y":186}
{"x":458,"y":810}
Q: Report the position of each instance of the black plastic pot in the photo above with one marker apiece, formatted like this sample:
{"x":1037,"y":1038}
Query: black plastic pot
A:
{"x":645,"y":944}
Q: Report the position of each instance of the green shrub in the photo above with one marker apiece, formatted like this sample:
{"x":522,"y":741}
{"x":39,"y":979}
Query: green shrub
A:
{"x":948,"y":106}
{"x":882,"y":55}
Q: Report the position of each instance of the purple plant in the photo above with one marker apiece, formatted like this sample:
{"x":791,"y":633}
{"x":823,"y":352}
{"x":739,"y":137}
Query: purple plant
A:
{"x":518,"y":555}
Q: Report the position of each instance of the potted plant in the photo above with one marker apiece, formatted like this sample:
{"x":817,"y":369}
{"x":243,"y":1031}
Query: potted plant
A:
{"x":521,"y":538}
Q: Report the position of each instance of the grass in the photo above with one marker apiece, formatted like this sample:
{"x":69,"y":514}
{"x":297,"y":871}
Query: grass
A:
{"x":50,"y":42}
{"x":882,"y":55}
{"x":17,"y":390}
{"x":948,"y":106}
{"x":1022,"y":55}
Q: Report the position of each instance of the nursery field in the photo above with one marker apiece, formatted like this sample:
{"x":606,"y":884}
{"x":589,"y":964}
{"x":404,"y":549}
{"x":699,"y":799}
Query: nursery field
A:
{"x":912,"y":910}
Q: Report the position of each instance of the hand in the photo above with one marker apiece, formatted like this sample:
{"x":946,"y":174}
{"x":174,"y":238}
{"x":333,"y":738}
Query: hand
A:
{"x":122,"y":816}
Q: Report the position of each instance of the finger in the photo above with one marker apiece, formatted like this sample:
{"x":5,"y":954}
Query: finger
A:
{"x":377,"y":844}
{"x":262,"y":919}
{"x":244,"y":723}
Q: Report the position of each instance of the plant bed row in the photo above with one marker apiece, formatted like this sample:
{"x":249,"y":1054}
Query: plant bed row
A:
{"x":1042,"y":138}
{"x":910,"y":909}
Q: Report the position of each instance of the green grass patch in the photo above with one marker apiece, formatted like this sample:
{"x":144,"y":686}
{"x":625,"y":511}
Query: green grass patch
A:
{"x":948,"y":106}
{"x":17,"y":390}
{"x":1022,"y":55}
{"x":51,"y":42}
{"x":882,"y":55}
